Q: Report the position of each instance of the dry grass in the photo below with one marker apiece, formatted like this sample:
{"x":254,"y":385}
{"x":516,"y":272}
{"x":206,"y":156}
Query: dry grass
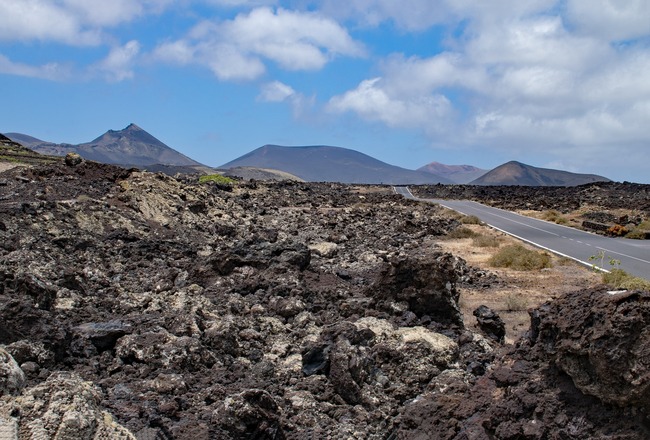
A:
{"x":516,"y":291}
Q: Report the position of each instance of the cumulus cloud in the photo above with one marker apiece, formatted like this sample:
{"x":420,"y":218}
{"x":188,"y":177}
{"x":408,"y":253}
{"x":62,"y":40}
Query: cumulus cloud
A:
{"x":118,"y":65}
{"x":75,"y":22}
{"x":530,"y":77}
{"x":238,"y":48}
{"x":277,"y":91}
{"x":51,"y":71}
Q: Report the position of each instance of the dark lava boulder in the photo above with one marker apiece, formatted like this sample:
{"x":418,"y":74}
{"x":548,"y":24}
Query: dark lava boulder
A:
{"x":490,"y":323}
{"x":427,"y":283}
{"x":602,"y":341}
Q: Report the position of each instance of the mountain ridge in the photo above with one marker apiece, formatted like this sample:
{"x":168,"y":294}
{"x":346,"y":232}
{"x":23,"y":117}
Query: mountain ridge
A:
{"x":516,"y":173}
{"x":323,"y":163}
{"x":131,"y":146}
{"x":460,"y":174}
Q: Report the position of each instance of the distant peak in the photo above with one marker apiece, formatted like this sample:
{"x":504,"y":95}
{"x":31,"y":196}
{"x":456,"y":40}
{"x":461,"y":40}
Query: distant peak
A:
{"x":133,"y":127}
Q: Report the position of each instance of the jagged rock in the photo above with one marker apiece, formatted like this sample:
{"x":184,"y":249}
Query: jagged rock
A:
{"x":199,"y":313}
{"x":602,"y":341}
{"x":12,"y":378}
{"x":490,"y":323}
{"x":63,"y":407}
{"x":427,"y":283}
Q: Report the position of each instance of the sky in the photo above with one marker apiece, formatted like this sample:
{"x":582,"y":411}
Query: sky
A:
{"x":555,"y":84}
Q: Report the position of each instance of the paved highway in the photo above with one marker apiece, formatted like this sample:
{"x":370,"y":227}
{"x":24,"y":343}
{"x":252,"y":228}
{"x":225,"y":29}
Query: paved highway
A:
{"x":634,"y":255}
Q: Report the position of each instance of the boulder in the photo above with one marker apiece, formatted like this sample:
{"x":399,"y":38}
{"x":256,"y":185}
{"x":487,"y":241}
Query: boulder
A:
{"x":426,"y":283}
{"x":12,"y":378}
{"x":490,"y":323}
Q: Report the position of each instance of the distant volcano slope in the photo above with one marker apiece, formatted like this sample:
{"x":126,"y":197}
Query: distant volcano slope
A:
{"x":131,"y":146}
{"x":331,"y":164}
{"x":517,"y":173}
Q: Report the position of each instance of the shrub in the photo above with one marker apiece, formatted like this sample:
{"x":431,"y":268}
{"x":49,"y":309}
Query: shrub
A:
{"x":461,"y":233}
{"x":637,"y":234}
{"x":470,"y":220}
{"x":516,"y":303}
{"x":519,"y":258}
{"x":619,"y":279}
{"x":554,"y":216}
{"x":617,"y":230}
{"x":486,"y":241}
{"x":216,"y":178}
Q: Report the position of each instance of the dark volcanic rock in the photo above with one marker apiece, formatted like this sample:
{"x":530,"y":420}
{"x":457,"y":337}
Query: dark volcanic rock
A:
{"x":602,"y":341}
{"x":175,"y":310}
{"x":490,"y":323}
{"x":426,"y":284}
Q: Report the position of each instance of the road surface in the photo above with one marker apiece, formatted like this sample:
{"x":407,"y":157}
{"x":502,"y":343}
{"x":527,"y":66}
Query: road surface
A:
{"x":634,"y":255}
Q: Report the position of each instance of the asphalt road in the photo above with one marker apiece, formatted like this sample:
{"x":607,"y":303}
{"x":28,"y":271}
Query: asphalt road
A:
{"x":634,"y":255}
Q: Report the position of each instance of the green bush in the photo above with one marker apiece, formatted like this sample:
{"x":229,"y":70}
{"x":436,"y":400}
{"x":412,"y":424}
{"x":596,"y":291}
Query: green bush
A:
{"x":619,"y":279}
{"x":470,"y":220}
{"x":486,"y":241}
{"x":216,"y":178}
{"x":461,"y":233}
{"x":519,"y":258}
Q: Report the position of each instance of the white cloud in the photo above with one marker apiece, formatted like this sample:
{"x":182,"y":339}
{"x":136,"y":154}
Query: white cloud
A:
{"x":373,"y":101}
{"x":276,"y":91}
{"x":118,"y":65}
{"x":51,"y":71}
{"x":610,"y":19}
{"x":523,"y":78}
{"x":238,"y":48}
{"x":74,"y":22}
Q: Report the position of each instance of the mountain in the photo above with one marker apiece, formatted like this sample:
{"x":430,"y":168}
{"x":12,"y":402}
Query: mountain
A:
{"x":131,"y":146}
{"x":517,"y":173}
{"x":456,"y":173}
{"x":331,"y":164}
{"x":14,"y":154}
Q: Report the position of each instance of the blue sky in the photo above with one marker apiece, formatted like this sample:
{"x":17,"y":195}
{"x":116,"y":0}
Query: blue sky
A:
{"x":559,"y":84}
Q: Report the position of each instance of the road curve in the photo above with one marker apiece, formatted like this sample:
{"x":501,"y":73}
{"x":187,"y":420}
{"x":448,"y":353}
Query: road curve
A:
{"x":634,"y":255}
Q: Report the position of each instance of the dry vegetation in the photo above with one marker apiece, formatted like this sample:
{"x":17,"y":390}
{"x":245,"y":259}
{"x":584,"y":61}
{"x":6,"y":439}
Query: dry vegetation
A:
{"x":517,"y":290}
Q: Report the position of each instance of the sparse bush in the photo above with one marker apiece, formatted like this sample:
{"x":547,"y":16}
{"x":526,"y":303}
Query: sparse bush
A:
{"x":619,"y":279}
{"x":486,"y":241}
{"x":461,"y":233}
{"x":554,"y":216}
{"x":637,"y":234}
{"x":470,"y":220}
{"x":516,"y":303}
{"x":216,"y":178}
{"x":519,"y":258}
{"x":644,"y":225}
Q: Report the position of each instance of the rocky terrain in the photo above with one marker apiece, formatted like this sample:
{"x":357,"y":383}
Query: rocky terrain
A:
{"x":596,"y":207}
{"x":139,"y":306}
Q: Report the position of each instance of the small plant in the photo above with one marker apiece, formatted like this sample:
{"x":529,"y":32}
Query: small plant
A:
{"x":519,"y":258}
{"x":516,"y":303}
{"x":617,"y":231}
{"x":554,"y":216}
{"x":617,"y":278}
{"x":486,"y":241}
{"x":216,"y":178}
{"x":470,"y":220}
{"x":461,"y":232}
{"x":637,"y":234}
